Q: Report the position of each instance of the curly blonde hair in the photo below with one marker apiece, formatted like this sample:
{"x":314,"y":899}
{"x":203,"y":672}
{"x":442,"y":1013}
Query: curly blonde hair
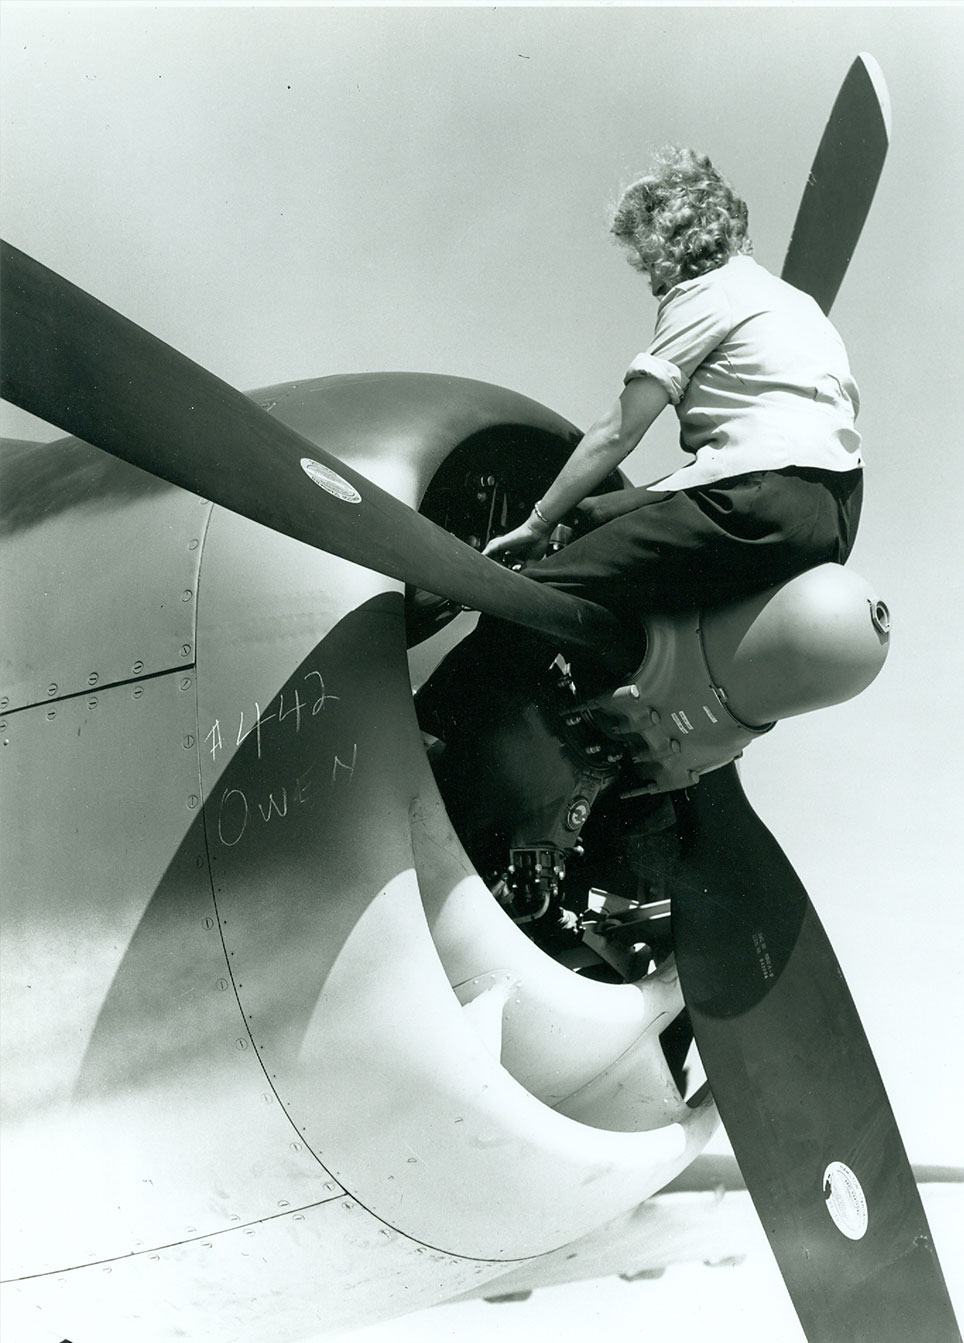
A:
{"x":681,"y":220}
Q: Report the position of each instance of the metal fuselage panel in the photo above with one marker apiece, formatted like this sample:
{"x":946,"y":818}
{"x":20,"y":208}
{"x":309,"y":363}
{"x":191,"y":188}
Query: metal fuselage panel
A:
{"x":101,"y":562}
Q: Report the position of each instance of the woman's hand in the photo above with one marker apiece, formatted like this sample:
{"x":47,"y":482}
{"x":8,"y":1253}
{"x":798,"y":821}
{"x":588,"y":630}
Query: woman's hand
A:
{"x":528,"y":542}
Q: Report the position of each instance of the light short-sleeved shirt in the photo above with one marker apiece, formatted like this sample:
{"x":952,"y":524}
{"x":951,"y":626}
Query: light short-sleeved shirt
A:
{"x":758,"y":375}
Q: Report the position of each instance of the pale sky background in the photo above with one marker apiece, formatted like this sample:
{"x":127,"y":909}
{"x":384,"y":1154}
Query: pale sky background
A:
{"x":283,"y":193}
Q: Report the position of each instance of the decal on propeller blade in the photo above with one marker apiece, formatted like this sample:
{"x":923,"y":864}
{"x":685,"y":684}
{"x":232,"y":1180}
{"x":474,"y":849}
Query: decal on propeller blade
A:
{"x":330,"y":481}
{"x":846,"y":1203}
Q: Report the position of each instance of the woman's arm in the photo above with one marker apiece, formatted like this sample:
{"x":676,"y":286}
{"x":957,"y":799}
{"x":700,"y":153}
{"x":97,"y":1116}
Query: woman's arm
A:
{"x":601,"y":449}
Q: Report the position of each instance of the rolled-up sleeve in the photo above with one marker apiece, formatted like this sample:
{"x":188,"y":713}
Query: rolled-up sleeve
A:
{"x":693,"y":318}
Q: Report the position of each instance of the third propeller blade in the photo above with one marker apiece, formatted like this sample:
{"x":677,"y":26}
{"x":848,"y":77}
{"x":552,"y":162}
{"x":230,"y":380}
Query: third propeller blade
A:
{"x":797,"y":1086}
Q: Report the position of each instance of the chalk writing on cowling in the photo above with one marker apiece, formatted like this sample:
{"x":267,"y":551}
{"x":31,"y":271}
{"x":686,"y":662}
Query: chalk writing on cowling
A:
{"x":294,"y":710}
{"x":239,"y":809}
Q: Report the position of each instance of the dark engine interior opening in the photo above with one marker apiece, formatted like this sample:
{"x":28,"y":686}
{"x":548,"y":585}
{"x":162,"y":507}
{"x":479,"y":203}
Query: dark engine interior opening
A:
{"x":541,"y":799}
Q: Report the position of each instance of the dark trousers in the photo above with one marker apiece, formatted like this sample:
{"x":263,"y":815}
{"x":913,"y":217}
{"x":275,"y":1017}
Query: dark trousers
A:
{"x":639,"y":551}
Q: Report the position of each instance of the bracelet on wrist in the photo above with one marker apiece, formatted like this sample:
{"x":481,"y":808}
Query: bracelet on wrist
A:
{"x":542,"y":518}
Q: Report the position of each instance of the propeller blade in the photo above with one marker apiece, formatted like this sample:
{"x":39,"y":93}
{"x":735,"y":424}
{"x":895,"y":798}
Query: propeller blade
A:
{"x":841,"y":184}
{"x":796,"y":1084}
{"x":78,"y":364}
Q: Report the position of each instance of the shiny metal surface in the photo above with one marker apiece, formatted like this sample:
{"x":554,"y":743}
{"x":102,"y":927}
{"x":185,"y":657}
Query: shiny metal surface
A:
{"x":235,"y":920}
{"x":102,"y":563}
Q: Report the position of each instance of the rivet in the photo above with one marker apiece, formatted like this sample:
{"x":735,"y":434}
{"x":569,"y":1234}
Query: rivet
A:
{"x":93,"y":678}
{"x":186,"y":595}
{"x":137,"y":668}
{"x":185,"y":650}
{"x":188,"y":742}
{"x":192,"y":801}
{"x":52,"y":689}
{"x":137,"y":692}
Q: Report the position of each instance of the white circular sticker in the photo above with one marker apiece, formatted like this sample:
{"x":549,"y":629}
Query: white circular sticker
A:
{"x":330,"y":481}
{"x":846,"y":1203}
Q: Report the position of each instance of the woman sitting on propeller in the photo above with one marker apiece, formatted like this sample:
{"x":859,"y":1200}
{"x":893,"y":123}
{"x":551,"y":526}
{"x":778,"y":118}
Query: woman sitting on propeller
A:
{"x":762,"y":387}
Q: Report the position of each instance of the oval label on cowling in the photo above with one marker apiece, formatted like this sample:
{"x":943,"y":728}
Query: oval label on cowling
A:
{"x":330,"y":481}
{"x":846,"y":1203}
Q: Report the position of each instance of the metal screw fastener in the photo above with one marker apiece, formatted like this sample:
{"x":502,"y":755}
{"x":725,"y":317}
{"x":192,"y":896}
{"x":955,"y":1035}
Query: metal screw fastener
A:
{"x":193,"y":543}
{"x":4,"y":701}
{"x":137,"y":668}
{"x":186,"y":683}
{"x":93,"y":678}
{"x":188,"y":742}
{"x":52,"y":689}
{"x":92,"y":703}
{"x":51,"y":714}
{"x":185,"y":650}
{"x":193,"y":800}
{"x":137,"y":692}
{"x":186,"y":595}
